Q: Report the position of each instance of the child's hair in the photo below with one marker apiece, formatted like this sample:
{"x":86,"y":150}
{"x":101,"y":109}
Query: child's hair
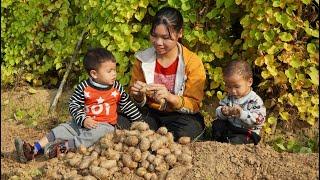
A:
{"x":95,"y":56}
{"x":170,"y":17}
{"x":240,"y":67}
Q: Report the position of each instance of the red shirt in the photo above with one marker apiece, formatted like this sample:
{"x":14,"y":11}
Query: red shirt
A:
{"x":166,"y":76}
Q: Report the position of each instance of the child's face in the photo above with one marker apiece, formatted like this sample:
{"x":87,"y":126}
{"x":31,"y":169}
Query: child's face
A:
{"x":105,"y":74}
{"x":162,"y":41}
{"x":237,"y":86}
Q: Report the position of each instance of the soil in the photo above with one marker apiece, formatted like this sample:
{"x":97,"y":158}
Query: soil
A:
{"x":211,"y":160}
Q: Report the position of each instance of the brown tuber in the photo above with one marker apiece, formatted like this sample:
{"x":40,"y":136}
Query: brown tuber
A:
{"x":184,"y":140}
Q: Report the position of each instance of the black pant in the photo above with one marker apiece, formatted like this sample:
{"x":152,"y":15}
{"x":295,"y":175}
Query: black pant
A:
{"x":179,"y":124}
{"x":224,"y":131}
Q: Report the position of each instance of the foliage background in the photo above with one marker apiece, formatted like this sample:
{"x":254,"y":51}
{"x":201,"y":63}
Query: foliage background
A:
{"x":280,"y":38}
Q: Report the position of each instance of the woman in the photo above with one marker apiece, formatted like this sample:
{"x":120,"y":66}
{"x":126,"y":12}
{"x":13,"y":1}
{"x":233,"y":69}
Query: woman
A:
{"x":169,"y":78}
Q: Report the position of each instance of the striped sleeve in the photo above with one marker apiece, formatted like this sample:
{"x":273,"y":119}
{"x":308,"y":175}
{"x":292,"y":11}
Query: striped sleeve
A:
{"x":127,"y":107}
{"x":76,"y":104}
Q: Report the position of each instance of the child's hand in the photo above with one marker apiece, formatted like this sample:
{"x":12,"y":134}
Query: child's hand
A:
{"x":139,"y":90}
{"x":226,"y":110}
{"x":90,"y":123}
{"x":235,"y":111}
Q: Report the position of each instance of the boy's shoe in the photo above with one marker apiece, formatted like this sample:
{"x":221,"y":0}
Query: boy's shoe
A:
{"x":24,"y":150}
{"x":55,"y":148}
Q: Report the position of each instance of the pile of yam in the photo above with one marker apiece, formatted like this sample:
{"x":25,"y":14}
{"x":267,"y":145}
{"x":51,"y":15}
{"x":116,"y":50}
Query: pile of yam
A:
{"x":148,"y":154}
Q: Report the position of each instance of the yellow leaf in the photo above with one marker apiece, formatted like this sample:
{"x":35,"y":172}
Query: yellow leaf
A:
{"x":265,"y":74}
{"x":284,"y":115}
{"x":32,"y":91}
{"x":259,"y":61}
{"x":281,"y":78}
{"x":220,"y":95}
{"x":272,"y":120}
{"x":267,"y":130}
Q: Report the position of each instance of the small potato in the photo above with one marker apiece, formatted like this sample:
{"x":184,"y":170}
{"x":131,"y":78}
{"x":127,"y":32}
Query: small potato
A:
{"x":184,"y":140}
{"x":170,"y":159}
{"x":136,"y":156}
{"x":95,"y":162}
{"x":163,"y":151}
{"x":139,"y":125}
{"x":118,"y":146}
{"x":151,"y":157}
{"x":146,"y":133}
{"x":132,"y":133}
{"x":141,"y":171}
{"x":162,"y":167}
{"x":144,"y":155}
{"x":147,"y":176}
{"x":145,"y":164}
{"x":125,"y":148}
{"x":162,"y":130}
{"x":125,"y":170}
{"x":97,"y":149}
{"x":85,"y":162}
{"x":70,"y":155}
{"x":157,"y":160}
{"x":132,"y":140}
{"x":156,"y":144}
{"x":82,"y":149}
{"x":170,"y":137}
{"x":75,"y":161}
{"x":151,"y":168}
{"x":89,"y":177}
{"x":109,"y":135}
{"x":154,"y":176}
{"x":144,"y":144}
{"x":94,"y":155}
{"x":185,"y":158}
{"x":112,"y":154}
{"x":126,"y":159}
{"x":90,"y":149}
{"x":131,"y":150}
{"x":120,"y":164}
{"x":108,"y":164}
{"x":133,"y":165}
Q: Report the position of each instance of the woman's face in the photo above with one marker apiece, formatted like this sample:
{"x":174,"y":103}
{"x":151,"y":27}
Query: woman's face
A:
{"x":162,"y":41}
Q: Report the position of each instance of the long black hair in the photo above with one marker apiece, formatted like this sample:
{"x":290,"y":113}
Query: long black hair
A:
{"x":170,"y":17}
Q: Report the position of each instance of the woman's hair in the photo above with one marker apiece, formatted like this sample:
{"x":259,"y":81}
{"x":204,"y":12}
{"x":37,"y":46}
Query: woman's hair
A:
{"x":170,"y":17}
{"x":95,"y":56}
{"x":240,"y":68}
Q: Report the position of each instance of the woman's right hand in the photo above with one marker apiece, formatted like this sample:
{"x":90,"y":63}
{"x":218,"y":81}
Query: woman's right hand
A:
{"x":138,"y":90}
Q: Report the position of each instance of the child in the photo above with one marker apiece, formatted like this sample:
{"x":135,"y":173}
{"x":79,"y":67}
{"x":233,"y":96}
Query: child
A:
{"x":93,"y":107}
{"x":241,"y":114}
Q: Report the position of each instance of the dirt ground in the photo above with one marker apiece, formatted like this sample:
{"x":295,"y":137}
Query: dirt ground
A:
{"x":211,"y":160}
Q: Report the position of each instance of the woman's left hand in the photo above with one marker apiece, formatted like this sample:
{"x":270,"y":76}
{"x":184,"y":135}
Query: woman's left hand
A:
{"x":160,"y":91}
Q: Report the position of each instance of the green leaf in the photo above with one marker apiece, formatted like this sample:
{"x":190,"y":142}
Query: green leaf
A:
{"x":213,"y":13}
{"x":311,"y":48}
{"x":294,"y":61}
{"x":281,"y":146}
{"x":284,"y":36}
{"x":219,"y":3}
{"x":314,"y":75}
{"x":140,"y":14}
{"x":306,"y":1}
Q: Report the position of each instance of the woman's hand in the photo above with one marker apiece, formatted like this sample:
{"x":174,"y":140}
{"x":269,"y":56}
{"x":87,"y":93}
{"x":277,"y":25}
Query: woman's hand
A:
{"x":138,"y":90}
{"x":90,"y":123}
{"x":160,"y":91}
